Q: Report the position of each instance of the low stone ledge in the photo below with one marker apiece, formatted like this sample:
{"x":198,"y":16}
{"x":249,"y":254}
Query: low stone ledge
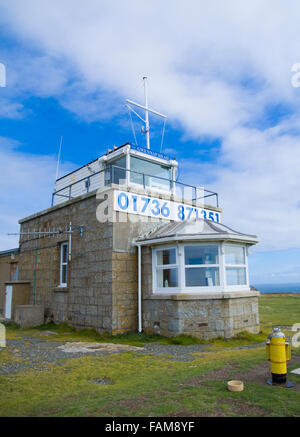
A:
{"x":29,"y":316}
{"x":204,"y":295}
{"x":61,"y":289}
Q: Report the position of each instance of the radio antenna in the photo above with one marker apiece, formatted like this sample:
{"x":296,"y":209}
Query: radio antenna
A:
{"x":145,"y":107}
{"x":147,"y":125}
{"x":58,"y":158}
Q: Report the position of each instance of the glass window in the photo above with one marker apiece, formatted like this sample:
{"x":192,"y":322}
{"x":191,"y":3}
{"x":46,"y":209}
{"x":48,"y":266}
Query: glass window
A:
{"x":64,"y":248}
{"x":204,"y":254}
{"x":114,"y":173}
{"x":197,"y":258}
{"x":153,"y":174}
{"x":167,"y":278}
{"x":64,"y":275}
{"x":234,"y":254}
{"x":236,"y":276}
{"x":235,"y":257}
{"x":14,"y":270}
{"x":166,"y":257}
{"x":202,"y":266}
{"x":202,"y":277}
{"x":166,"y":268}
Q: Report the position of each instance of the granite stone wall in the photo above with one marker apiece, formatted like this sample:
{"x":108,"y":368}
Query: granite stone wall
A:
{"x":102,"y":275}
{"x":87,"y":300}
{"x":206,"y":318}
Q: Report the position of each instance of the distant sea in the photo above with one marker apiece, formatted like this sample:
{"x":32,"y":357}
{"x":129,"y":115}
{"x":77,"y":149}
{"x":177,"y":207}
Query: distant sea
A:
{"x":278,"y":288}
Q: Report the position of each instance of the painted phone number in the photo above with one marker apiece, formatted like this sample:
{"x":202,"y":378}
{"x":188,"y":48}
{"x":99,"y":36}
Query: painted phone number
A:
{"x":160,"y":208}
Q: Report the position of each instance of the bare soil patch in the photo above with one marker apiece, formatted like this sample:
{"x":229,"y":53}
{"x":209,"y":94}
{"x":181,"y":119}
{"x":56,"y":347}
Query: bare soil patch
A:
{"x":217,"y":375}
{"x":257,"y":374}
{"x":237,"y":408}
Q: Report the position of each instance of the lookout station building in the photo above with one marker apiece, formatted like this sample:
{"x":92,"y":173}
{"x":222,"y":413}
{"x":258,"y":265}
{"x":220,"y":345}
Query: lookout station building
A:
{"x":125,"y":247}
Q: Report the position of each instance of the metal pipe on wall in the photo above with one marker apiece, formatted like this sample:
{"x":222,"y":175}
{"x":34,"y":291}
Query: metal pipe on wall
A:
{"x":140,"y":327}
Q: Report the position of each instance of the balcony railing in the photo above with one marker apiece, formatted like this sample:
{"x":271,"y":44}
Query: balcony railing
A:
{"x":113,"y":174}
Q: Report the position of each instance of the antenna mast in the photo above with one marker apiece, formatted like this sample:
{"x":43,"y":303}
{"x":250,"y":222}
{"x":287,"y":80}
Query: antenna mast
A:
{"x":147,"y":130}
{"x":58,"y":158}
{"x":146,"y":127}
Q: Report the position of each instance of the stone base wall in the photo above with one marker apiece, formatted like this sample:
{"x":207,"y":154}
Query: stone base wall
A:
{"x":201,"y":316}
{"x":29,"y":316}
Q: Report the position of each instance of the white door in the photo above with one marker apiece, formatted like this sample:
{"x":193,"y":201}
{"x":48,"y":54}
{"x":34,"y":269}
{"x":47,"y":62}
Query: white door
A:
{"x":8,"y":301}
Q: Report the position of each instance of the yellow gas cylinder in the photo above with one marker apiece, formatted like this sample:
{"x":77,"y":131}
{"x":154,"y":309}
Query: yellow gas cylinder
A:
{"x":278,"y":353}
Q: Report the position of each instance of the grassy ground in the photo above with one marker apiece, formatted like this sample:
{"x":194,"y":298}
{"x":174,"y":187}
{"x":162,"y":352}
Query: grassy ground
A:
{"x":278,"y":309}
{"x":147,"y":385}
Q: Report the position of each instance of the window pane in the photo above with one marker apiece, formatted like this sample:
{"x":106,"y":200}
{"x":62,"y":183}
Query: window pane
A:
{"x":234,"y":254}
{"x":64,"y":253}
{"x":14,"y":272}
{"x":157,"y":171}
{"x":167,"y":278}
{"x":113,"y":174}
{"x":202,"y":277}
{"x":201,"y":254}
{"x":236,"y":276}
{"x":165,"y":257}
{"x":64,"y":274}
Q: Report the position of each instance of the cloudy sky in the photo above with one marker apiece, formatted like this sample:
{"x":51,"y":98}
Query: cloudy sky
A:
{"x":221,"y":71}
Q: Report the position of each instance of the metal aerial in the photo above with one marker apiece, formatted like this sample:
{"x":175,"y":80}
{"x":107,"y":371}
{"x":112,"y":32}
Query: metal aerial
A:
{"x":145,"y":107}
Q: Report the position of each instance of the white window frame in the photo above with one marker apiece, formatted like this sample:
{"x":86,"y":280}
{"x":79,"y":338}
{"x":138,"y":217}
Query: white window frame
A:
{"x":165,"y":290}
{"x":180,"y":265}
{"x":61,"y":264}
{"x":241,"y":266}
{"x":185,"y":266}
{"x":149,"y":187}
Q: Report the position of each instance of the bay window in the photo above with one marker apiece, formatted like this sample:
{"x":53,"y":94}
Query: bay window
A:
{"x":196,"y":267}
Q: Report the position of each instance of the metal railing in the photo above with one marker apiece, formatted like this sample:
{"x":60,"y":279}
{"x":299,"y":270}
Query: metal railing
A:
{"x":113,"y":174}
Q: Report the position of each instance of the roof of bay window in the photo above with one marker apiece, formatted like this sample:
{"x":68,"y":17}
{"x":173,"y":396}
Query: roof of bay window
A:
{"x":195,"y":230}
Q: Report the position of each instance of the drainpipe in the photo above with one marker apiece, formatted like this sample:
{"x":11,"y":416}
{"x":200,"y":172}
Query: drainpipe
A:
{"x":140,"y":289}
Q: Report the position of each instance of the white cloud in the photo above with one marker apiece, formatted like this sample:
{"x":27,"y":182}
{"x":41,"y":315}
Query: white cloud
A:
{"x":9,"y":109}
{"x":26,"y":183}
{"x":216,"y":68}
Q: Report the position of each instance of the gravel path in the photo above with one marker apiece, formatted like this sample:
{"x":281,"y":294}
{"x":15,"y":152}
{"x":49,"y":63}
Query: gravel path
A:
{"x":38,"y":353}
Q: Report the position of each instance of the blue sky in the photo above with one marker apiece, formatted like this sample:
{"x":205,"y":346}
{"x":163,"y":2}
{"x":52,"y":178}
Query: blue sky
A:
{"x":221,"y":73}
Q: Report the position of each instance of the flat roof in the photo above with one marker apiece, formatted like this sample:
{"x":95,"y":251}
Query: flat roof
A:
{"x":94,"y":160}
{"x":9,"y":251}
{"x":150,"y":153}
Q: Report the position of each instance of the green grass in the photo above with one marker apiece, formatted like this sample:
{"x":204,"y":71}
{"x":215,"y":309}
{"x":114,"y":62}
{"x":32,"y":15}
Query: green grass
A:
{"x":147,"y":385}
{"x":279,"y":310}
{"x":67,"y":333}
